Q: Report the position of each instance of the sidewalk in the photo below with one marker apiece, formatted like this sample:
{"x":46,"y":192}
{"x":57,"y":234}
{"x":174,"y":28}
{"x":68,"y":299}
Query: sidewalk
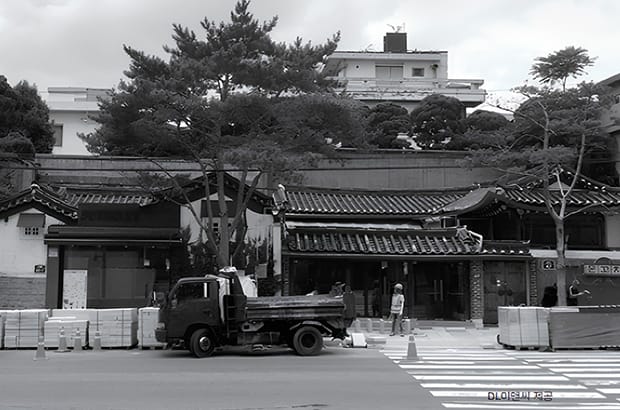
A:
{"x":432,"y":334}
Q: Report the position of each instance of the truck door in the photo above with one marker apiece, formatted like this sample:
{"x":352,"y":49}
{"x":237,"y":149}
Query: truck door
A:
{"x":193,"y":302}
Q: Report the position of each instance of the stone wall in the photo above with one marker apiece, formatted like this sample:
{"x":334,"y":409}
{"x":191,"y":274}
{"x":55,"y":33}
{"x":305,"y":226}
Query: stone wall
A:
{"x":532,"y":273}
{"x":22,"y":293}
{"x":476,"y":290}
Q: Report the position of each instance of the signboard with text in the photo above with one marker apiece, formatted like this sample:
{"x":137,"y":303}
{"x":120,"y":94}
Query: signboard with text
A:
{"x":601,"y":270}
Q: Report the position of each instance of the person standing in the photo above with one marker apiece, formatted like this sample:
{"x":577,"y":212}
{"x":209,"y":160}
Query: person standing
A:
{"x":573,"y":294}
{"x":396,"y":309}
{"x":376,"y":300}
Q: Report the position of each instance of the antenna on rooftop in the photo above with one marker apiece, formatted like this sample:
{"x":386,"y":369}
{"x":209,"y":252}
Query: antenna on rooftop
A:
{"x":397,"y":29}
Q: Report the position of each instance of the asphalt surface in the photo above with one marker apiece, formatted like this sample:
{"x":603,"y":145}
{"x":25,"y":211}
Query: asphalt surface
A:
{"x":339,"y":378}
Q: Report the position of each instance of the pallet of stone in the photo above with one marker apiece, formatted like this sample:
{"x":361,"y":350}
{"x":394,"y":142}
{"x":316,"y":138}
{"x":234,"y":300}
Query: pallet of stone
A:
{"x":22,"y":328}
{"x":70,"y":326}
{"x":116,"y":327}
{"x":79,"y":314}
{"x":2,"y":318}
{"x":148,"y":317}
{"x":523,"y":326}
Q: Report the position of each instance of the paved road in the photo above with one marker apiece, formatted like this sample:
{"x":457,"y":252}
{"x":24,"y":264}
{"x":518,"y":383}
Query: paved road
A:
{"x":476,"y":378}
{"x":154,"y":379}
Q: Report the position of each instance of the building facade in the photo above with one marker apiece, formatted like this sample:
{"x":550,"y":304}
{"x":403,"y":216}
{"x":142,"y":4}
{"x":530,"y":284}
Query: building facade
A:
{"x":401,"y":76}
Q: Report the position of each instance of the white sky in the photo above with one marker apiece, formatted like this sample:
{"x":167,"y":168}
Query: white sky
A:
{"x":56,"y":43}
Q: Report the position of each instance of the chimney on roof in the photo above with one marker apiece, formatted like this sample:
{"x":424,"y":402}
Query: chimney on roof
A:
{"x":395,"y":43}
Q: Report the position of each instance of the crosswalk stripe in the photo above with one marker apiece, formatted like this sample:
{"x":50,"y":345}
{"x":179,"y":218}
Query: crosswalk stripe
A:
{"x":481,"y":393}
{"x":496,"y":386}
{"x":475,"y":366}
{"x":488,"y":377}
{"x":581,"y":369}
{"x":594,"y":375}
{"x":569,"y":365}
{"x":609,"y":391}
{"x":532,"y":405}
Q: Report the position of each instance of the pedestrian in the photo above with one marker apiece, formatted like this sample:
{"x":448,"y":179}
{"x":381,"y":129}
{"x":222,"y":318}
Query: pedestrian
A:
{"x":337,"y":291}
{"x":350,"y":311}
{"x":550,"y":296}
{"x":573,"y":293}
{"x":396,"y":309}
{"x":376,"y":300}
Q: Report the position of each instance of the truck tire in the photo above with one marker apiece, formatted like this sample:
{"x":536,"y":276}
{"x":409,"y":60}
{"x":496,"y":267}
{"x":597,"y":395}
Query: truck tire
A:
{"x":202,"y":343}
{"x":307,"y":341}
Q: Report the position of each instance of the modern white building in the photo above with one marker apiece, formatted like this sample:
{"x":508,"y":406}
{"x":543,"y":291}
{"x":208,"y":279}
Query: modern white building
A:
{"x":70,"y":110}
{"x":401,"y":76}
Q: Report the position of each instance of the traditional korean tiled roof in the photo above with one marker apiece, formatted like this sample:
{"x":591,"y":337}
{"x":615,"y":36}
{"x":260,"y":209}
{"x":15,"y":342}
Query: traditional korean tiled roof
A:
{"x":454,"y":241}
{"x":506,"y":248}
{"x":104,"y":197}
{"x":42,"y":198}
{"x":343,"y":202}
{"x":486,"y":199}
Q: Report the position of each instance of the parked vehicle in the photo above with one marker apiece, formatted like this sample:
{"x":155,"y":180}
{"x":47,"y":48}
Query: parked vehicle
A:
{"x":213,"y":311}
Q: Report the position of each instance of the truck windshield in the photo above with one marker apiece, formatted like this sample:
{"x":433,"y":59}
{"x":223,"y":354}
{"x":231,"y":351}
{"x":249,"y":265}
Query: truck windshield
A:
{"x":192,"y":290}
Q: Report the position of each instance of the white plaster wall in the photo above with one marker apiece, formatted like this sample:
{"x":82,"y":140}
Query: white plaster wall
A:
{"x":612,"y":231}
{"x":19,"y":254}
{"x":73,"y":122}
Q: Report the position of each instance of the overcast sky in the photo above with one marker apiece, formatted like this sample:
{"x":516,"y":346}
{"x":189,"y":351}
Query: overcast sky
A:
{"x":78,"y":43}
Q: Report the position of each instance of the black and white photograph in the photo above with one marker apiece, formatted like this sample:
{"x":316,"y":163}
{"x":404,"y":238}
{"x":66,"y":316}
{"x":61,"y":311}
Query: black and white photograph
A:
{"x":326,"y":205}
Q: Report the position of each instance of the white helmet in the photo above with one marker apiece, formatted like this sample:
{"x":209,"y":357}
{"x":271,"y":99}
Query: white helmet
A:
{"x":398,"y":286}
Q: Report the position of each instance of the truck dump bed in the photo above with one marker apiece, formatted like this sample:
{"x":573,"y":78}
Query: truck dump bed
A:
{"x":294,"y":307}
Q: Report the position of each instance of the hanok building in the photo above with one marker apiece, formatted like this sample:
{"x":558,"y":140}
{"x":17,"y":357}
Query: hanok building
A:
{"x":101,"y":248}
{"x":459,"y":253}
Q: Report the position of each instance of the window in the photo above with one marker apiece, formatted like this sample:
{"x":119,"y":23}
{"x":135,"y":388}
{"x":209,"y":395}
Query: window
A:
{"x":386,"y":72}
{"x":31,"y":231}
{"x":417,"y":72}
{"x":57,"y":135}
{"x":31,"y":224}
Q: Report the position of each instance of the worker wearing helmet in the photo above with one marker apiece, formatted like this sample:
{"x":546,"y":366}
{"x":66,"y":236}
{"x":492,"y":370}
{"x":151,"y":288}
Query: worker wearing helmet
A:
{"x":396,"y":309}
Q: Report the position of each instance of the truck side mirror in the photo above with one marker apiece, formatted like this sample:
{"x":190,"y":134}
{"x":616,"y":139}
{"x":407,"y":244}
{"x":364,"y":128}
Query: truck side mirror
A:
{"x":174,"y":302}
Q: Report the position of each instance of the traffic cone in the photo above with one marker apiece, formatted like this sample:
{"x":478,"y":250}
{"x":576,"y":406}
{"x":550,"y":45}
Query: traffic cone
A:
{"x":62,"y":341}
{"x":77,"y":341}
{"x":357,"y":326}
{"x":40,"y":354}
{"x":412,"y":352}
{"x":369,"y":325}
{"x":97,"y":342}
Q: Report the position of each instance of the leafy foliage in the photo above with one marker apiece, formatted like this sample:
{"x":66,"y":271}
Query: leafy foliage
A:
{"x":560,"y":65}
{"x":438,"y":118}
{"x":22,"y":112}
{"x":385,"y":122}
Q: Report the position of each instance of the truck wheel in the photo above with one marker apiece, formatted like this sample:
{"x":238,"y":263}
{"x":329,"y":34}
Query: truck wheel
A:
{"x":307,"y":341}
{"x":202,"y":343}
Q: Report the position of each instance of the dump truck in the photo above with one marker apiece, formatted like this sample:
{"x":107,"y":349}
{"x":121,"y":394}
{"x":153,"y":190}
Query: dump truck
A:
{"x":213,"y":311}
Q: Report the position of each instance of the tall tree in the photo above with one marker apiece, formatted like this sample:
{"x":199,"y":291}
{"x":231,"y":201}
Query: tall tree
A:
{"x":384,"y":123}
{"x":560,"y":65}
{"x":553,"y":130}
{"x":436,"y":120}
{"x":235,"y":100}
{"x":23,"y":112}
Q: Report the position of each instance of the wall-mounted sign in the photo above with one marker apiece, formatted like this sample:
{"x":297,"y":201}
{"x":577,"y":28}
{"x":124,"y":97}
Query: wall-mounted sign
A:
{"x":39,"y":268}
{"x":548,"y":264}
{"x":602,"y":270}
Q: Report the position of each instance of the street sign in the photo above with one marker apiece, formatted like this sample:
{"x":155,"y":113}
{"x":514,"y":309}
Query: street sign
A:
{"x":548,"y":264}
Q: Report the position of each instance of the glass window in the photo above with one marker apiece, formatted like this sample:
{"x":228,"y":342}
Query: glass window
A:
{"x":389,"y":72}
{"x":57,"y":135}
{"x":417,"y":72}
